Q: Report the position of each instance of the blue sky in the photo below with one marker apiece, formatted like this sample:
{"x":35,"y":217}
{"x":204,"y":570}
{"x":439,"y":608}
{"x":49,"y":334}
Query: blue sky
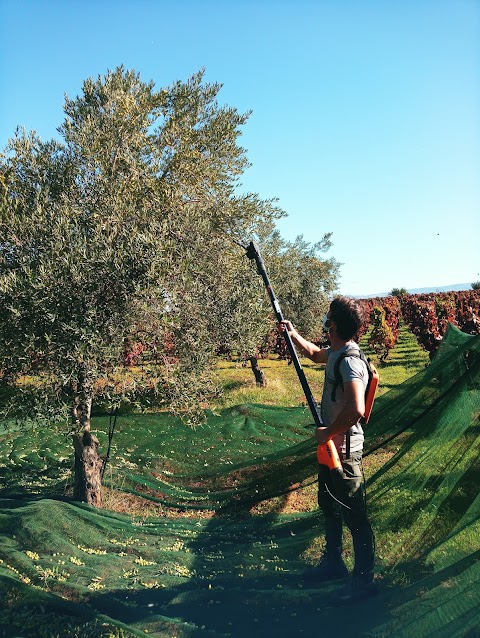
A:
{"x":365,"y":112}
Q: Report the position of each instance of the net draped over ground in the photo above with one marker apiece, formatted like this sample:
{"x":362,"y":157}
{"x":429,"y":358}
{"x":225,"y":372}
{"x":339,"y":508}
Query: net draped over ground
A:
{"x":235,"y":572}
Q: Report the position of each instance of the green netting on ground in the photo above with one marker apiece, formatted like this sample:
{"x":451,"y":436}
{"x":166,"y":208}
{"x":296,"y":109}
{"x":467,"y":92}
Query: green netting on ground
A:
{"x":238,"y":572}
{"x":240,"y":456}
{"x":227,"y":461}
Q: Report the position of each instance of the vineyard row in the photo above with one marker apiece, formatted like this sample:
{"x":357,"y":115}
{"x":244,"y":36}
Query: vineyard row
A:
{"x":427,"y":316}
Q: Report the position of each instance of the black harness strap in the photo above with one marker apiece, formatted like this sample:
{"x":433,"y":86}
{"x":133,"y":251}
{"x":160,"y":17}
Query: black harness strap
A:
{"x":353,"y":352}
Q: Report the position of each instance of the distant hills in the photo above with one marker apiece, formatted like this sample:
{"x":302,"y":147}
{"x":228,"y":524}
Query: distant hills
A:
{"x":419,"y":291}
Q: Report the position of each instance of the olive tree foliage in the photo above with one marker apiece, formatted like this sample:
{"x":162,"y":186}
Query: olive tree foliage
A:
{"x":121,"y":226}
{"x":398,"y":292}
{"x":303,"y":279}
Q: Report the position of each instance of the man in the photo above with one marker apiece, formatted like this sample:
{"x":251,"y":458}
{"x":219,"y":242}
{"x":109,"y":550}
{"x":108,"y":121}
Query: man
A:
{"x":340,"y":494}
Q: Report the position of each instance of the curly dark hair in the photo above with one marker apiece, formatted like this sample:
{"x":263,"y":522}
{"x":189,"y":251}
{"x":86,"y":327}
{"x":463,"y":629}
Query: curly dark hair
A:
{"x":348,"y":315}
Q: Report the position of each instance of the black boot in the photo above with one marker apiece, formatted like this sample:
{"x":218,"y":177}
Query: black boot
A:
{"x":329,"y":568}
{"x":356,"y":589}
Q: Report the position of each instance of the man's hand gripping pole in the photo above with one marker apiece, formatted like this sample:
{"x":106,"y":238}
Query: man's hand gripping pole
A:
{"x":326,"y":454}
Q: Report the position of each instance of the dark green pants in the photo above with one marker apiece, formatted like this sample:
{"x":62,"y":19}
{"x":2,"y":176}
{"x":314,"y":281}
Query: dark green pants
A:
{"x":341,"y":498}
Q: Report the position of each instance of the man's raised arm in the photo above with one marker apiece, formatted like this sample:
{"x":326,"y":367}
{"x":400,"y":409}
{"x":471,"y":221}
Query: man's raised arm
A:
{"x":309,"y":349}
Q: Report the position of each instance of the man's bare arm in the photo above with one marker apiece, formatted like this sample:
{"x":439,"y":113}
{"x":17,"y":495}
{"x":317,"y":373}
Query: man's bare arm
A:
{"x":309,"y":349}
{"x":353,"y":410}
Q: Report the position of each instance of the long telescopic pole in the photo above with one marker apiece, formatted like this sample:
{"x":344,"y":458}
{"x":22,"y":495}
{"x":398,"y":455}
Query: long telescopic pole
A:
{"x":253,"y":253}
{"x":327,"y":454}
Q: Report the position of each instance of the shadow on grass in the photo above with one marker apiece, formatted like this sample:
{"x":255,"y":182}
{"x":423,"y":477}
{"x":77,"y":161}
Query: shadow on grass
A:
{"x":233,"y":385}
{"x":243,"y":587}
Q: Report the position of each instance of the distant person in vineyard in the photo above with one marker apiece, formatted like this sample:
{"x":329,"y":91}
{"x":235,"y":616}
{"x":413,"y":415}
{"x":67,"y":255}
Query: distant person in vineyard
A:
{"x":341,"y":495}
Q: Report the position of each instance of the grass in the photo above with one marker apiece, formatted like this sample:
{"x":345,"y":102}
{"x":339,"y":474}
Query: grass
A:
{"x":283,"y":387}
{"x":405,"y":360}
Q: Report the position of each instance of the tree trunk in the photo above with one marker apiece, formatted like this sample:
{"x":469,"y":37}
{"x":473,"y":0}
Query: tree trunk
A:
{"x":259,"y":374}
{"x":88,"y":467}
{"x":88,"y":463}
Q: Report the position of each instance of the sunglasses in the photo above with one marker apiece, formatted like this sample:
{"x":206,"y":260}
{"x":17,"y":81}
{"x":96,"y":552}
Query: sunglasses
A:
{"x":327,"y":322}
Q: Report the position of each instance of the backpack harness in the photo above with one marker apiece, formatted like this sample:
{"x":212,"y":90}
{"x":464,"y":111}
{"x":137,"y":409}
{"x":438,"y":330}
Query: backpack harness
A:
{"x":372,"y":383}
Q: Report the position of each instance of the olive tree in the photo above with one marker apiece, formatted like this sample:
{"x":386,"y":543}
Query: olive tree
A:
{"x":398,"y":292}
{"x":122,"y":222}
